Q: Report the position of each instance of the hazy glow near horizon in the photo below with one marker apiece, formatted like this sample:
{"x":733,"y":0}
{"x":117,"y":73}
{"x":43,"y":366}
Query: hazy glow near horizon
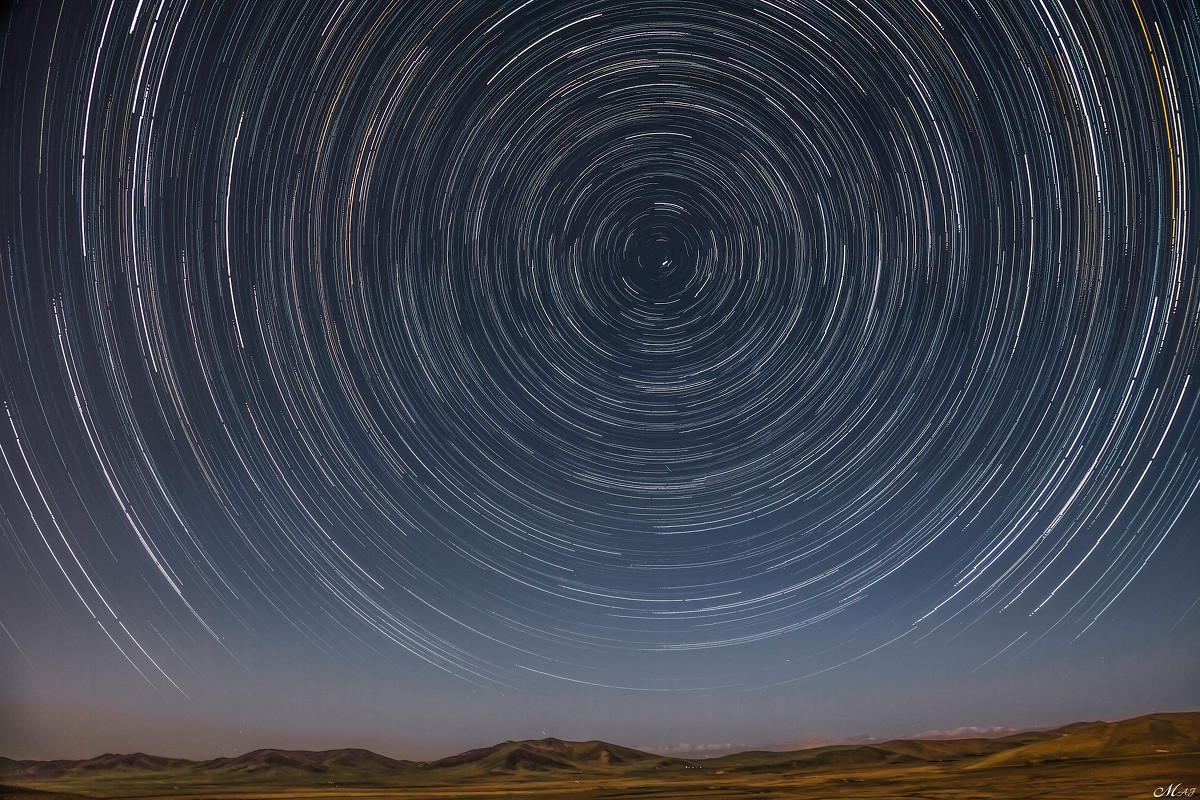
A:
{"x":422,"y":374}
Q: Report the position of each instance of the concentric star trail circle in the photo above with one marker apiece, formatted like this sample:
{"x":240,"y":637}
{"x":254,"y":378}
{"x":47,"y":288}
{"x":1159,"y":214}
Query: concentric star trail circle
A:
{"x":582,"y":338}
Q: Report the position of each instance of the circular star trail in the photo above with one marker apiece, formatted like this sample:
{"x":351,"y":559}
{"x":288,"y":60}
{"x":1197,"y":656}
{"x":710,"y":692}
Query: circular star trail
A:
{"x":658,"y":345}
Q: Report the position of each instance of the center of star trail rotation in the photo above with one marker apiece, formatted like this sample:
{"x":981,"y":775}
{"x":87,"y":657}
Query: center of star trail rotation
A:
{"x":600,"y":340}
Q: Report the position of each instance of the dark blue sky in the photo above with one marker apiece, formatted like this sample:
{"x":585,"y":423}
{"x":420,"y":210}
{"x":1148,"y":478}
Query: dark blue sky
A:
{"x":423,"y":375}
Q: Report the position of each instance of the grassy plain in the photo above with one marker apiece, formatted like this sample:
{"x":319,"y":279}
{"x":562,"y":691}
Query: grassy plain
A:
{"x":1116,"y":779}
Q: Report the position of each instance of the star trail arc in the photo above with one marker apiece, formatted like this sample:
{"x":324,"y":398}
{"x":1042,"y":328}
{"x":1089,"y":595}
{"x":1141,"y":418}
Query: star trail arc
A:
{"x":662,"y":346}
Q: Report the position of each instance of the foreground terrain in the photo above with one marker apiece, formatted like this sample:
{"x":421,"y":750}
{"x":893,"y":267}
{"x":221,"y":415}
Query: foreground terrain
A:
{"x":1146,"y":757}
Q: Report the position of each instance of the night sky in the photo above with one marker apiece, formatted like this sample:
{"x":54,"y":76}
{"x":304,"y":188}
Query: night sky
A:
{"x":420,"y":375}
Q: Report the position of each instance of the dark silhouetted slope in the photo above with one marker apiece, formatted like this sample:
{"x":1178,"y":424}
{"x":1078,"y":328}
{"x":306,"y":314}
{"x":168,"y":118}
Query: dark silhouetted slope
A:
{"x":542,"y":755}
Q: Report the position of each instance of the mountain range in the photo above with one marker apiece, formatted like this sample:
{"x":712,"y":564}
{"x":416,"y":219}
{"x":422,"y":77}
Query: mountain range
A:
{"x":1169,"y":737}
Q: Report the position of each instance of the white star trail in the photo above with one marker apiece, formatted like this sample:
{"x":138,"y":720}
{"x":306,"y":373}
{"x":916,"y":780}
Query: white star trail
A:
{"x":659,"y":346}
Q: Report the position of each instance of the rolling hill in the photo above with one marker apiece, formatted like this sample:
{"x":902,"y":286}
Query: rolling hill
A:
{"x":1148,"y":735}
{"x":541,"y":755}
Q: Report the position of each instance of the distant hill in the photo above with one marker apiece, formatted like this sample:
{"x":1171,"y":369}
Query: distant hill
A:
{"x":542,"y":755}
{"x":895,"y":751}
{"x":109,"y":762}
{"x":345,"y":765}
{"x":317,"y":762}
{"x":812,"y":759}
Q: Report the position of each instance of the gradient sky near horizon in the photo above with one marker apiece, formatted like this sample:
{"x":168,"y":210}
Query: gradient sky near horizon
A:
{"x":685,"y":374}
